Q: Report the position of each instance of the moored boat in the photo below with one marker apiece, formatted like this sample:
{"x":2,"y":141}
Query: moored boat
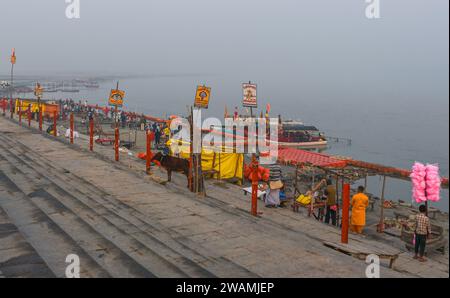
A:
{"x":298,"y":135}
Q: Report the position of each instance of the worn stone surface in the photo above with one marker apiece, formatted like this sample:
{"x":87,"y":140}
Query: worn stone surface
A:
{"x":280,"y":243}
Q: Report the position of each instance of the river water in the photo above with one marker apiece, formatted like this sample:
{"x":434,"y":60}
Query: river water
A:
{"x":390,"y":132}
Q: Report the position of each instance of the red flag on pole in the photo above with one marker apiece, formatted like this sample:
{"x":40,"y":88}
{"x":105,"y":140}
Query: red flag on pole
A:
{"x":13,"y":57}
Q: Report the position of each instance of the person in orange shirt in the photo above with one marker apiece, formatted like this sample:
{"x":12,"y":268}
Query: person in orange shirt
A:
{"x":359,"y":204}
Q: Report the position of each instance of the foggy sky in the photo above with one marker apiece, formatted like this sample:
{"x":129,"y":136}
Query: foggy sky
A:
{"x":311,"y":45}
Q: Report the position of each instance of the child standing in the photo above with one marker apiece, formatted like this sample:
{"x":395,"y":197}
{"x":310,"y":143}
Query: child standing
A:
{"x":422,"y":232}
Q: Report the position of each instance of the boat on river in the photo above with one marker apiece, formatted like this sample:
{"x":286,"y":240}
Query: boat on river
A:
{"x":298,"y":135}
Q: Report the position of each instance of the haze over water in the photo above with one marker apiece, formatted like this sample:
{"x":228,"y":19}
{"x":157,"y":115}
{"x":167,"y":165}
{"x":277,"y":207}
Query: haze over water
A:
{"x":382,"y":83}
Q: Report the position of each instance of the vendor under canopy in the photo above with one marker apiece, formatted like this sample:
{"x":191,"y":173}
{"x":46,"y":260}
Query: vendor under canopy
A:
{"x":275,"y":185}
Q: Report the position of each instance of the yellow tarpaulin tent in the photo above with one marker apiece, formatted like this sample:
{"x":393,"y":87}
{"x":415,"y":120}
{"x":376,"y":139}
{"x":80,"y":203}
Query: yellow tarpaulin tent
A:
{"x":26,"y":103}
{"x":224,"y":165}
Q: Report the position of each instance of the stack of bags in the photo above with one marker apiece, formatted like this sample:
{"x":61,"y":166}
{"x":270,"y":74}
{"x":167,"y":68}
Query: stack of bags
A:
{"x":426,"y":182}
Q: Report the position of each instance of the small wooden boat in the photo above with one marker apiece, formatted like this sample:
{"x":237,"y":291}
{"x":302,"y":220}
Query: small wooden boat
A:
{"x":305,"y":145}
{"x":70,"y":90}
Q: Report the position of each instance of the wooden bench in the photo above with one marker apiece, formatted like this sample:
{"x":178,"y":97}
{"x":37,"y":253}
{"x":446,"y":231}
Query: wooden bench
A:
{"x":296,"y":207}
{"x":361,"y":252}
{"x":210,"y":173}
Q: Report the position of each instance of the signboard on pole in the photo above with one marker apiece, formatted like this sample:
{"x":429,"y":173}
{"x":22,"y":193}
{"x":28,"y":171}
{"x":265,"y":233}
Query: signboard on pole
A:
{"x":249,"y":95}
{"x":116,"y":98}
{"x":202,"y":97}
{"x":38,"y":90}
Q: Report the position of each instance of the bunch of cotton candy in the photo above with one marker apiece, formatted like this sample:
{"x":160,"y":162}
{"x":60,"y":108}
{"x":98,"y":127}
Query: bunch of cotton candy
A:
{"x":433,"y":182}
{"x":419,"y":171}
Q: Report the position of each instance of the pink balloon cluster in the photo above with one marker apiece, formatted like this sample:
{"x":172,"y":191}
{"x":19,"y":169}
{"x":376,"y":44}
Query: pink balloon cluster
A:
{"x":426,"y":182}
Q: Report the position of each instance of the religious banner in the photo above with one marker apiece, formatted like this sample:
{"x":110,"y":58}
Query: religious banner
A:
{"x":202,"y":97}
{"x":116,"y":98}
{"x":249,"y":95}
{"x":38,"y":90}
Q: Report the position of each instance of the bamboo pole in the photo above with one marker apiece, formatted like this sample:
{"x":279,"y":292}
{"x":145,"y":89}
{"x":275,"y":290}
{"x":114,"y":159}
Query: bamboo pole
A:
{"x":381,"y":224}
{"x":337,"y":201}
{"x":254,"y":176}
{"x":29,"y":115}
{"x":149,"y":151}
{"x":116,"y":143}
{"x":71,"y":125}
{"x":311,"y":207}
{"x":91,"y":134}
{"x":55,"y":129}
{"x":20,"y":112}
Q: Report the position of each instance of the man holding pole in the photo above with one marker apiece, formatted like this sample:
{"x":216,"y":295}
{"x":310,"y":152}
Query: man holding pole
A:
{"x":359,"y":204}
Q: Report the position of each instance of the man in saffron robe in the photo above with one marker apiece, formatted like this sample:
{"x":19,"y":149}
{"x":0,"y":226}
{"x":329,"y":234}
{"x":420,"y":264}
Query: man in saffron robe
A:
{"x":359,"y":204}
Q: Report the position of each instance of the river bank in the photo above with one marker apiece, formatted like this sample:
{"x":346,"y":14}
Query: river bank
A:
{"x":229,"y":230}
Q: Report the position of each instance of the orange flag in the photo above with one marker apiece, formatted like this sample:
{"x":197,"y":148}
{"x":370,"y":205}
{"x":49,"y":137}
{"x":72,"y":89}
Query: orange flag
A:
{"x":13,"y":57}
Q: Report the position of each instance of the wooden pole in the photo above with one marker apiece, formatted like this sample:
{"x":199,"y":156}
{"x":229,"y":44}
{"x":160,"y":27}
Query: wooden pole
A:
{"x":40,"y":118}
{"x":426,"y":196}
{"x":71,"y":127}
{"x":337,"y":201}
{"x":191,"y":149}
{"x":254,"y":164}
{"x":11,"y":107}
{"x":345,"y":212}
{"x":55,"y":124}
{"x":381,"y":224}
{"x":91,"y":134}
{"x":12,"y":88}
{"x":311,"y":207}
{"x":116,"y":143}
{"x":29,"y":115}
{"x":20,"y":112}
{"x":149,"y":152}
